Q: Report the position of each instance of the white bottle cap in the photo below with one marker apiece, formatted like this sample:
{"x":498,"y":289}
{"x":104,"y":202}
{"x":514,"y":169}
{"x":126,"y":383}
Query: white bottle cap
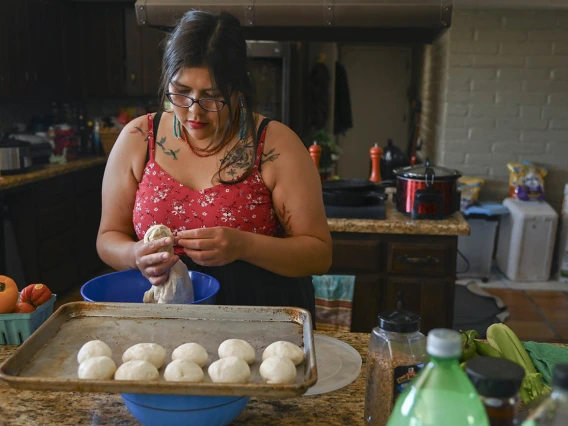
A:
{"x":444,"y":343}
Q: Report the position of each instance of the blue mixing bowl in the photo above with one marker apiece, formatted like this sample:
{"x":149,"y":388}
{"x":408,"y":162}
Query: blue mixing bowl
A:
{"x":184,"y":410}
{"x":130,"y":286}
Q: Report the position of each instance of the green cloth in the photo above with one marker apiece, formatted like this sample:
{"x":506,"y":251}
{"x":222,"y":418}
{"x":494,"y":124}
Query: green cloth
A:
{"x":545,"y":356}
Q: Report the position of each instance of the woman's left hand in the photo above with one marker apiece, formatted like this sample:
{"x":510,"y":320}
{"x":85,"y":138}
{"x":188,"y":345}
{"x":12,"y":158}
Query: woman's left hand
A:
{"x":215,"y":246}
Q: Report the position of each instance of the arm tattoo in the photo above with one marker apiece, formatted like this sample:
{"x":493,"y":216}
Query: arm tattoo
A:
{"x":285,"y":218}
{"x":270,"y":156}
{"x":142,"y":132}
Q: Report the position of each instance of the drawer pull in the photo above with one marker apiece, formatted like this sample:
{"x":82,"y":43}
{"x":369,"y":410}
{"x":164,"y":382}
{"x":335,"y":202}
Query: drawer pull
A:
{"x":418,"y":260}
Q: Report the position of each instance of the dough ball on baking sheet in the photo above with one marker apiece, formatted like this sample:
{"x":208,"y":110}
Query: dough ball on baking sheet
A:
{"x":192,"y":352}
{"x":92,"y":349}
{"x":183,"y":370}
{"x":229,"y":370}
{"x":237,"y":347}
{"x":285,"y":349}
{"x":137,"y":370}
{"x":99,"y":367}
{"x":151,"y":352}
{"x":278,"y":370}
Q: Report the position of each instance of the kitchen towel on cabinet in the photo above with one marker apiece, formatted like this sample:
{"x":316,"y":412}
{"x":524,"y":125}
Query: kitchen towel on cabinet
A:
{"x":334,"y":301}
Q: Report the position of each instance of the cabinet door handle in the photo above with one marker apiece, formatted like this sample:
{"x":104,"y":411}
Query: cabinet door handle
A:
{"x":429,"y":260}
{"x":399,"y":297}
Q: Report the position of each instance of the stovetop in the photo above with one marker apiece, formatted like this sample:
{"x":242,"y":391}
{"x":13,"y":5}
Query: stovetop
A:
{"x":376,"y":211}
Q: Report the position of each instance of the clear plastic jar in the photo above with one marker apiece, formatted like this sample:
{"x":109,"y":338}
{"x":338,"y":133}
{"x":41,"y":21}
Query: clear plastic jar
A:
{"x":397,"y":352}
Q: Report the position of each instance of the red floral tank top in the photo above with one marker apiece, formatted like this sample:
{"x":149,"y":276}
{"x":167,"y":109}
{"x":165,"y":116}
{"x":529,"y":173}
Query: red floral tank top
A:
{"x":160,"y":199}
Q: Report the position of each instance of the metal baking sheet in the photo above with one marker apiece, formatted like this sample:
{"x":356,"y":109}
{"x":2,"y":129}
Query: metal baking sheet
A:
{"x":47,"y":360}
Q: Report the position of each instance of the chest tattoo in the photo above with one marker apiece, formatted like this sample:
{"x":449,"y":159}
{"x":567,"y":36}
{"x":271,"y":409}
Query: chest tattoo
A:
{"x":238,"y":159}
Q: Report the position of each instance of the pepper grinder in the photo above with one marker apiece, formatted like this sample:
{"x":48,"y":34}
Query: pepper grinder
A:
{"x":315,"y":152}
{"x":376,"y":154}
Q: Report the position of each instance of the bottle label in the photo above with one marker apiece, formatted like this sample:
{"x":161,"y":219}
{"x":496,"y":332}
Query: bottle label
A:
{"x":402,"y":376}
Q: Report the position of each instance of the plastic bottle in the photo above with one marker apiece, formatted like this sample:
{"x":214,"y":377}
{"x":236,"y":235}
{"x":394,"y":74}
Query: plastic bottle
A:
{"x":397,"y":352}
{"x":497,"y":381}
{"x":441,"y":394}
{"x":553,"y":409}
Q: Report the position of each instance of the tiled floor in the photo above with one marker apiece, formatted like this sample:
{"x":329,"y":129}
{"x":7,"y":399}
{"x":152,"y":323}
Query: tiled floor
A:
{"x":538,"y":315}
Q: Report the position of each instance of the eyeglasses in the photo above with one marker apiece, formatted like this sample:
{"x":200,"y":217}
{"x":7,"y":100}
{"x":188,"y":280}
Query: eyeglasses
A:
{"x":184,"y":101}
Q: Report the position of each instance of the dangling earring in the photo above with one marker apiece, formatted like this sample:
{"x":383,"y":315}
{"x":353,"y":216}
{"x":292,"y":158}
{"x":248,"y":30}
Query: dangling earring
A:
{"x":243,"y":120}
{"x":177,"y":128}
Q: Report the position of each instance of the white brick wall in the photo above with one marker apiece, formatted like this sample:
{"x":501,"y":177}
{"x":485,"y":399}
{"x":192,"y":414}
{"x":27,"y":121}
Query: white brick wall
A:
{"x":503,"y":84}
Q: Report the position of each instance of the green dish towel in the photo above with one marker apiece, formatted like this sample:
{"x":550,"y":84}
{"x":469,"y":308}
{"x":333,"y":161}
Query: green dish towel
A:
{"x":545,"y":356}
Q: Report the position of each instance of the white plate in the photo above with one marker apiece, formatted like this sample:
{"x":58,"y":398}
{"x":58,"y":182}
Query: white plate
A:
{"x":338,"y":365}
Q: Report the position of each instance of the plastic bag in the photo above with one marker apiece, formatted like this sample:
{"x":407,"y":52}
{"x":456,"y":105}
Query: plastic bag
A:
{"x":526,"y":181}
{"x":469,"y":188}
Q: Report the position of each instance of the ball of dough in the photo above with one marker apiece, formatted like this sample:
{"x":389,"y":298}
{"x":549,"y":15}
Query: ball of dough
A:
{"x":278,"y":370}
{"x":99,"y":367}
{"x":183,"y":370}
{"x":151,"y":352}
{"x":137,"y":370}
{"x":285,"y":349}
{"x":237,"y":347}
{"x":229,"y":370}
{"x":92,"y":349}
{"x":192,"y":352}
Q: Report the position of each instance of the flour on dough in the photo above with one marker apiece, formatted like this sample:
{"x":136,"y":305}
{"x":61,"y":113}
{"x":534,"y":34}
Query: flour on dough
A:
{"x":137,"y":370}
{"x":92,"y":349}
{"x":237,"y":347}
{"x":151,"y":352}
{"x":285,"y":349}
{"x":183,"y":370}
{"x":178,"y":288}
{"x":99,"y":367}
{"x":229,"y":370}
{"x":192,"y":352}
{"x":278,"y":370}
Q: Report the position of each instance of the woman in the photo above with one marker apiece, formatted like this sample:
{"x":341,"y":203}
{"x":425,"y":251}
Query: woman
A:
{"x":241,"y":195}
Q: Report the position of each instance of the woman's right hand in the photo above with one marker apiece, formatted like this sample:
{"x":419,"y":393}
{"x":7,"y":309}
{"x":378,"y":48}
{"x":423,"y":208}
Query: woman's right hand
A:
{"x":154,"y":264}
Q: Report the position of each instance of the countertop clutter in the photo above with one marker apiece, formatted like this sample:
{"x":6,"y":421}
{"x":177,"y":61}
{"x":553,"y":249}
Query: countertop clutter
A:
{"x":48,"y":171}
{"x":342,"y":407}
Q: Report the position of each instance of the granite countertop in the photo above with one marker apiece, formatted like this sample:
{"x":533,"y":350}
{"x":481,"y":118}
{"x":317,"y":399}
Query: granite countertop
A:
{"x":341,"y":407}
{"x":398,"y":223}
{"x":48,"y":171}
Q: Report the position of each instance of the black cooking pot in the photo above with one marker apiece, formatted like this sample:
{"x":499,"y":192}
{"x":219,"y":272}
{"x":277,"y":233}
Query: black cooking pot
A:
{"x":354,"y":192}
{"x":427,"y":192}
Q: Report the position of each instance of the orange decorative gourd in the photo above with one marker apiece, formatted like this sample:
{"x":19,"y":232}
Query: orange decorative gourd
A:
{"x":8,"y":294}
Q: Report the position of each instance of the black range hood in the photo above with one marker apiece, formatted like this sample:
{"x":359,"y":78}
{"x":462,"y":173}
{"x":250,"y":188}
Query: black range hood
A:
{"x":390,"y":21}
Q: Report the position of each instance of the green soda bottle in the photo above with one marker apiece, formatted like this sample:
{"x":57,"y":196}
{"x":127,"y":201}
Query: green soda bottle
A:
{"x":441,"y":394}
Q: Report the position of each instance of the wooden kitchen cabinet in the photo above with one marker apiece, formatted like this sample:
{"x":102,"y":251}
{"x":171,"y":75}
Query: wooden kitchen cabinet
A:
{"x":38,"y":50}
{"x":412,"y":272}
{"x":144,"y":51}
{"x":55,"y":222}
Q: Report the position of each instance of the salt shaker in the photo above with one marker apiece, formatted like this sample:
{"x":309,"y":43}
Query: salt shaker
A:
{"x":397,"y":352}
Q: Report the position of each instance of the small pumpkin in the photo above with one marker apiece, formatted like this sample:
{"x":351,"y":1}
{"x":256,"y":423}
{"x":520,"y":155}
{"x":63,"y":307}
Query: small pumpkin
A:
{"x":8,"y":294}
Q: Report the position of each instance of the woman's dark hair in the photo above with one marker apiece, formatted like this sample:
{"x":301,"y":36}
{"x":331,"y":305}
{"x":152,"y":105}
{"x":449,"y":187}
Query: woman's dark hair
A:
{"x":215,"y":41}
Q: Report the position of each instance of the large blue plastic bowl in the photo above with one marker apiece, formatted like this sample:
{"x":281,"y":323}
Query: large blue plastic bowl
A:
{"x":184,"y":410}
{"x":130,"y":286}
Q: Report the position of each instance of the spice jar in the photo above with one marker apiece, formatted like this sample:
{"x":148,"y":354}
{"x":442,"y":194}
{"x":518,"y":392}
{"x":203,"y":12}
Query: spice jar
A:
{"x":397,"y":352}
{"x":497,"y":382}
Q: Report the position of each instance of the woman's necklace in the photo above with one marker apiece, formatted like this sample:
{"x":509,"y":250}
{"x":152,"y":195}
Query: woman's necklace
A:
{"x":200,"y":152}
